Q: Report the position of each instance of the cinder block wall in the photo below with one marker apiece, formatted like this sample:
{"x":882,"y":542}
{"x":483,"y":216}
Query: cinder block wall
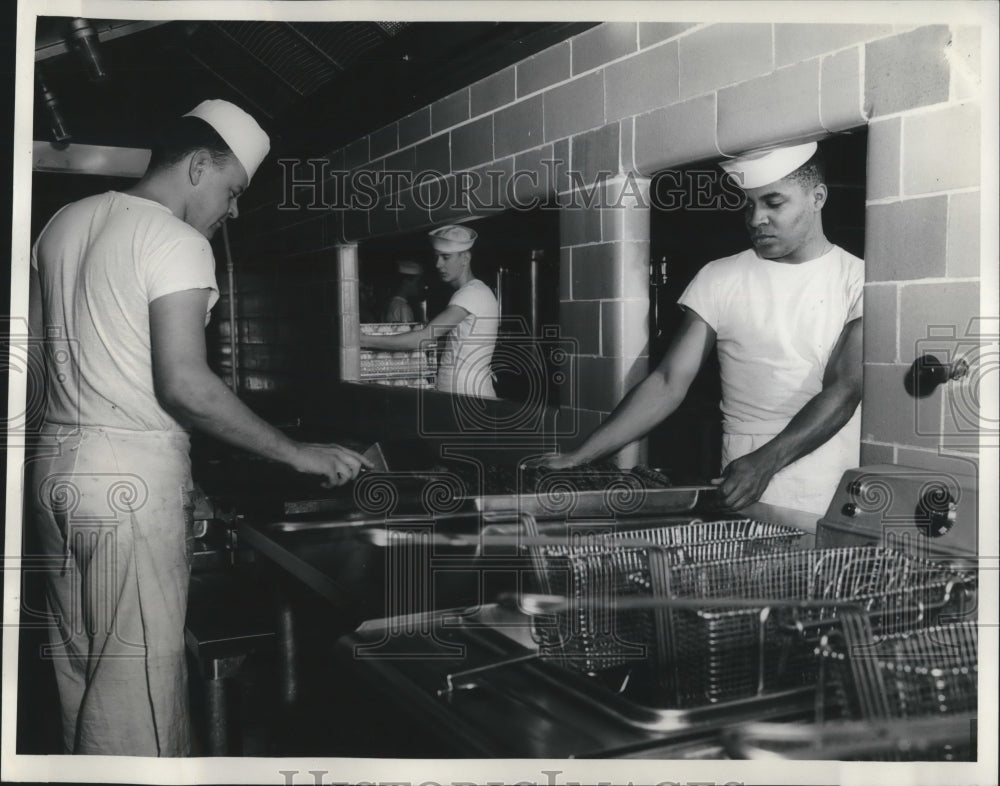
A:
{"x":629,"y":99}
{"x":922,"y":245}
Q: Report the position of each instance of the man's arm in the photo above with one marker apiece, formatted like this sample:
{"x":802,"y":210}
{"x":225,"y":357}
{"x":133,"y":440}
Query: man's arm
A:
{"x":747,"y":477}
{"x":652,"y":400}
{"x":188,"y":389}
{"x":434,"y":329}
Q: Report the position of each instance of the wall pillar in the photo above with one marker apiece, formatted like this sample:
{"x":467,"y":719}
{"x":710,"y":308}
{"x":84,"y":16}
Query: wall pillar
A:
{"x":350,"y":312}
{"x":604,"y":299}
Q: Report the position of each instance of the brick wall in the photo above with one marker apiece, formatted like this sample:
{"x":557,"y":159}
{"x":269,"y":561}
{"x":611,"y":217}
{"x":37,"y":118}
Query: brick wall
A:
{"x":635,"y":98}
{"x":922,"y":250}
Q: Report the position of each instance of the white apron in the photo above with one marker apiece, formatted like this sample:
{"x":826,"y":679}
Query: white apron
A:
{"x":809,"y":483}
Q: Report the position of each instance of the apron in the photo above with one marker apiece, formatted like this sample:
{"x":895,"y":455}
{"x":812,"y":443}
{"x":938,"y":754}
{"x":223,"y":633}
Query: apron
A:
{"x":114,"y":514}
{"x":809,"y":483}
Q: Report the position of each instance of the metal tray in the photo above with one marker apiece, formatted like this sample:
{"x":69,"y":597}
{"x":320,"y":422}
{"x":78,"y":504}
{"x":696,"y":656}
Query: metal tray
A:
{"x":613,"y":501}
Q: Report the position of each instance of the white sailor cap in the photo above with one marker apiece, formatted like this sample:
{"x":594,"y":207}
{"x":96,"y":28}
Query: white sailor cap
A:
{"x":238,"y":129}
{"x":410,"y":268}
{"x":452,"y":238}
{"x":761,"y":167}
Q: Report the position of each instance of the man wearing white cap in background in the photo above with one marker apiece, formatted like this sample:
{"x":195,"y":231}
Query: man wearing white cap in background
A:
{"x":128,"y":278}
{"x":409,"y":289}
{"x":786,"y":318}
{"x":469,"y":322}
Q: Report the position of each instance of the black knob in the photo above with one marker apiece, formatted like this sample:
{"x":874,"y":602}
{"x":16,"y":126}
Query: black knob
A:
{"x":850,"y":509}
{"x":855,"y":487}
{"x":937,"y":511}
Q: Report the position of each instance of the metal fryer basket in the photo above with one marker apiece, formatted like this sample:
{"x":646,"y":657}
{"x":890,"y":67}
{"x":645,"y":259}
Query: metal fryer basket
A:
{"x":594,"y":639}
{"x":707,"y":649}
{"x":711,"y":655}
{"x":911,"y":674}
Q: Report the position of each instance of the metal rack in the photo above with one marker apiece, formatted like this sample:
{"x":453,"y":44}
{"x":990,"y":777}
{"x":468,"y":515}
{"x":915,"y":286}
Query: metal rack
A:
{"x":704,"y":647}
{"x":594,"y":638}
{"x":411,"y":368}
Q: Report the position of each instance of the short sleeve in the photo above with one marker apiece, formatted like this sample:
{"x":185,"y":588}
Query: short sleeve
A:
{"x":701,"y":296}
{"x":477,"y":300}
{"x":182,"y":264}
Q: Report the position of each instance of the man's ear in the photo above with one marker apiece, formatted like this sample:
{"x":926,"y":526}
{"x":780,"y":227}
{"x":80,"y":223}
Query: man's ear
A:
{"x":201,"y":160}
{"x":819,"y":194}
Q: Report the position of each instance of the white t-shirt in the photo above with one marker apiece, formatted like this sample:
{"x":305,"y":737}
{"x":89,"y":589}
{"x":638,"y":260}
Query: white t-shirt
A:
{"x":101,"y":261}
{"x":776,"y":326}
{"x":465,"y":364}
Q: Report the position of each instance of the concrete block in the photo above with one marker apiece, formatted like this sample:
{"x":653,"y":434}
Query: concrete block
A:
{"x":907,"y":71}
{"x":723,"y":54}
{"x":384,"y":141}
{"x":580,"y":321}
{"x":534,"y":178}
{"x":647,"y":81}
{"x":450,"y":110}
{"x":546,"y":68}
{"x":966,"y":62}
{"x":579,"y":225}
{"x":626,"y":214}
{"x":796,"y":42}
{"x":472,"y":143}
{"x":485,"y":187}
{"x":626,"y":154}
{"x":651,"y":33}
{"x":937,"y":318}
{"x":602,"y":44}
{"x":611,"y":271}
{"x":433,"y":155}
{"x":357,"y":153}
{"x":842,"y":91}
{"x":906,"y":240}
{"x":415,"y":126}
{"x":967,"y":466}
{"x":679,"y":134}
{"x":574,"y":106}
{"x":889,"y":414}
{"x":493,"y":91}
{"x":881,"y":323}
{"x":884,"y":156}
{"x":963,"y":258}
{"x":565,"y":275}
{"x":594,"y":156}
{"x":780,"y":106}
{"x":625,"y":328}
{"x":872,"y":453}
{"x":926,"y":137}
{"x":518,"y":127}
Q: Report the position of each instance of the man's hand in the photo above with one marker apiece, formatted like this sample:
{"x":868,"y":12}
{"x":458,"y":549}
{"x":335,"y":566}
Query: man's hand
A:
{"x":337,"y":465}
{"x":553,"y":461}
{"x":745,"y":479}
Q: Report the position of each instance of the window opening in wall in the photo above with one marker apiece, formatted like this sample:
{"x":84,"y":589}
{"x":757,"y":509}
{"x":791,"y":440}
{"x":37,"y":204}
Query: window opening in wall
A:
{"x":516,"y":254}
{"x":695,"y":218}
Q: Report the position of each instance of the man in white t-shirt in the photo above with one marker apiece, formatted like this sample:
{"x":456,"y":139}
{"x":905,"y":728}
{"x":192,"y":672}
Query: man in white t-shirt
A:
{"x":786,"y":319}
{"x":128,"y":278}
{"x":468,"y":323}
{"x":408,"y":290}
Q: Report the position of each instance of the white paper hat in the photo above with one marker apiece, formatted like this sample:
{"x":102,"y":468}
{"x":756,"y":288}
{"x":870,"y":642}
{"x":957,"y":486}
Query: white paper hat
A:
{"x":410,"y":268}
{"x":238,"y":129}
{"x":756,"y":169}
{"x":452,"y":238}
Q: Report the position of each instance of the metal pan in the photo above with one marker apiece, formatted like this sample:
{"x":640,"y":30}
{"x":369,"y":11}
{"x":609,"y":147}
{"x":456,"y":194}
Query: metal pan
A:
{"x":610,"y":502}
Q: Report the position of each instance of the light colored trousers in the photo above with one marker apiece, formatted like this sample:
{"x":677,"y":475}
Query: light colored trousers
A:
{"x":113,"y":512}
